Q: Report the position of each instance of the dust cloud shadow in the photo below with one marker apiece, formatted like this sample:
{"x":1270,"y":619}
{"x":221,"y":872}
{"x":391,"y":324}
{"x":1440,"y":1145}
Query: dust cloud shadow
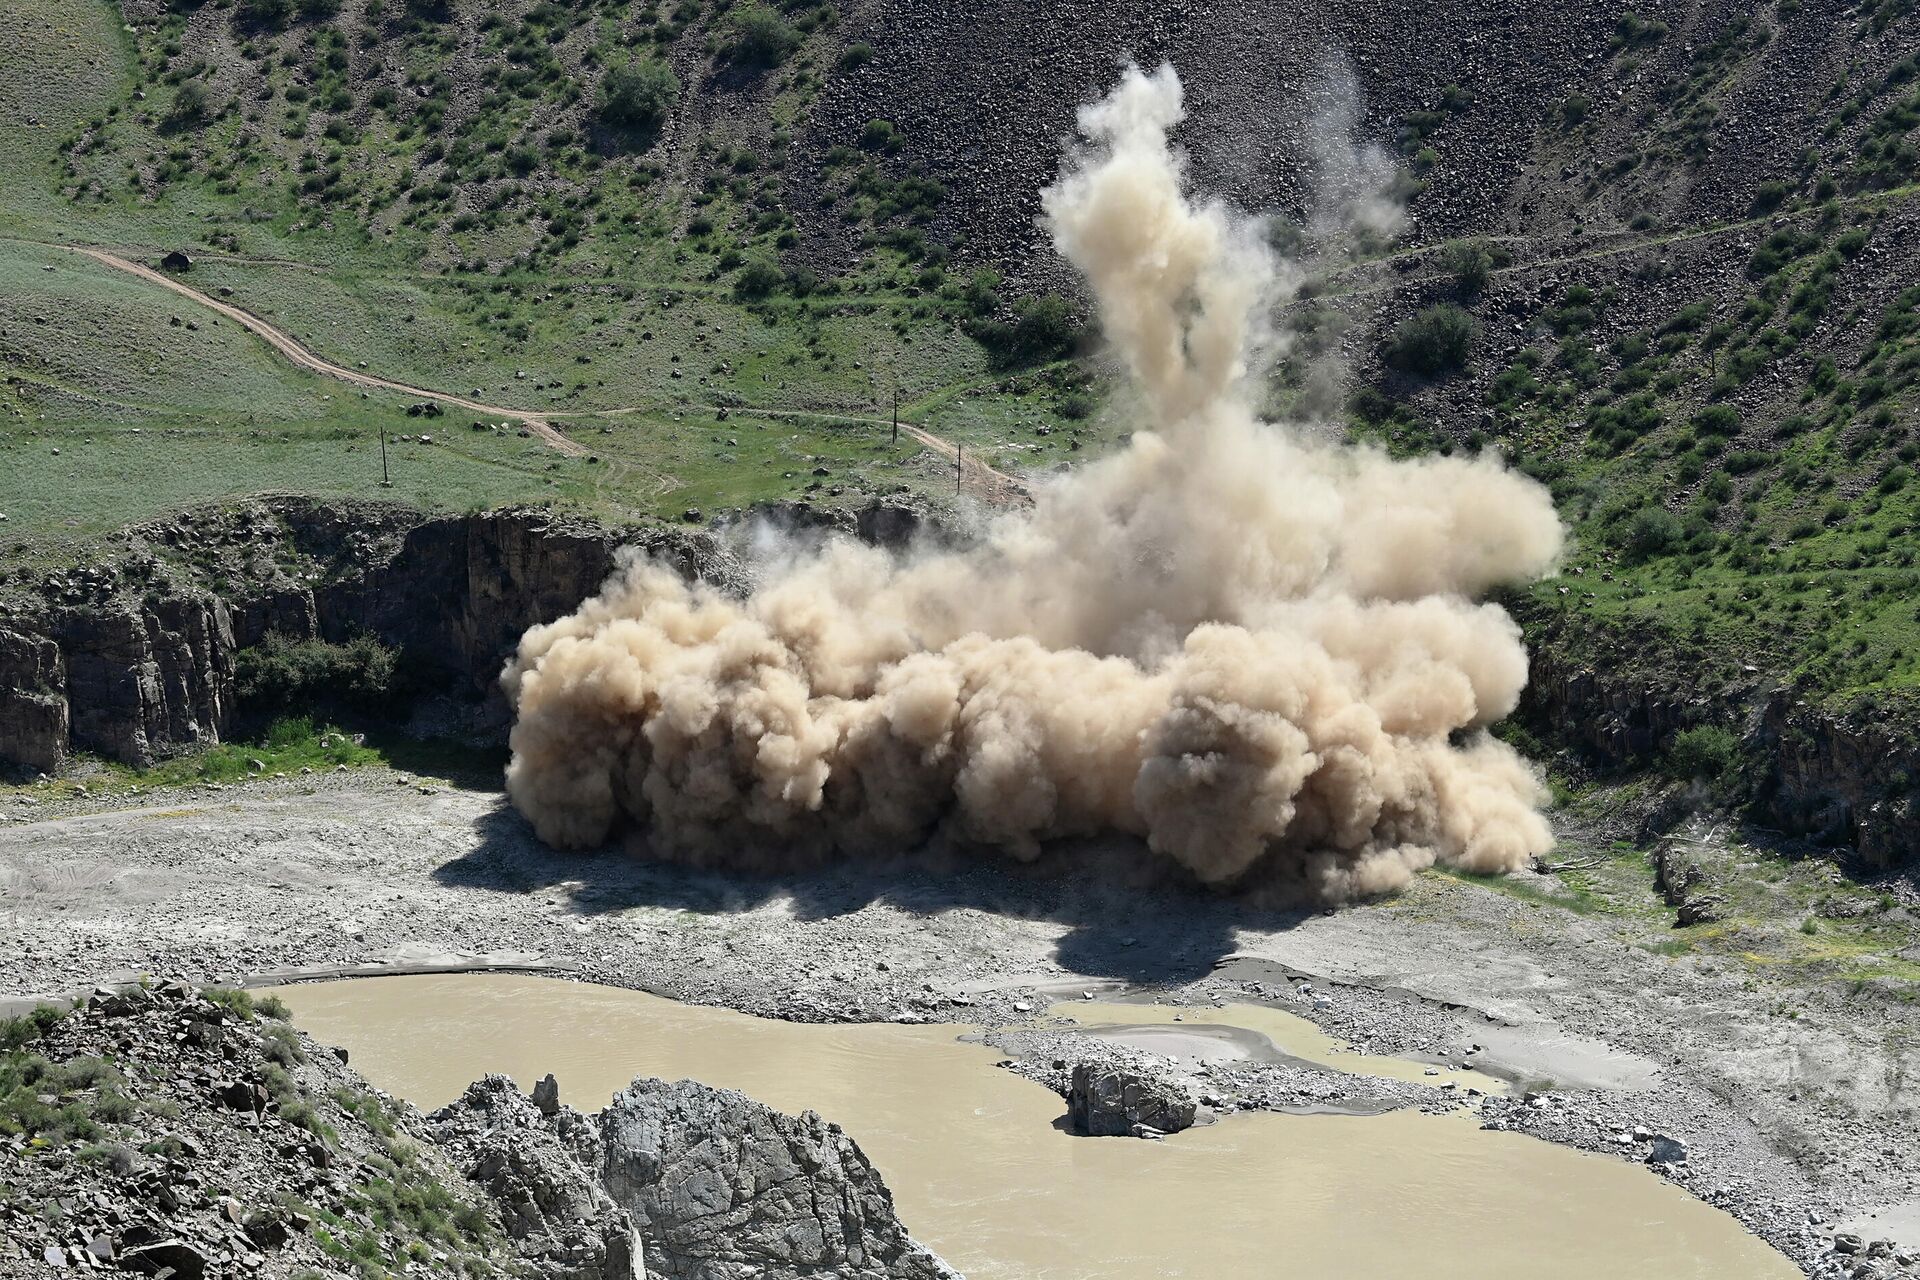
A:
{"x":1129,"y":917}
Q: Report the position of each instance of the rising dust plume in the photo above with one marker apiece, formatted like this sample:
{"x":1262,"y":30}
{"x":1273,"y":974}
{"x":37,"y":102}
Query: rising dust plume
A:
{"x":1259,"y":653}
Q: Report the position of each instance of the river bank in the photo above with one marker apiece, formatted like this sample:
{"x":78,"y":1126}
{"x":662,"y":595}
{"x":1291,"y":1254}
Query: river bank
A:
{"x":1791,"y":1123}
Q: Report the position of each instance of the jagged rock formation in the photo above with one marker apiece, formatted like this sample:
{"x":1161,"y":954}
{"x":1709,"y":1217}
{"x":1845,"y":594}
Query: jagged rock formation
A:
{"x":726,"y":1189}
{"x":33,"y":701}
{"x":541,"y":1167}
{"x":1110,"y":1102}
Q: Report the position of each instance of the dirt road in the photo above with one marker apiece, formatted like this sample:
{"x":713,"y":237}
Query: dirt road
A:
{"x":1792,"y":1123}
{"x":996,"y":487}
{"x":285,"y":344}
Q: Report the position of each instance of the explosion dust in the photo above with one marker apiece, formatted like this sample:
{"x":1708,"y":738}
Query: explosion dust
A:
{"x":1260,"y":653}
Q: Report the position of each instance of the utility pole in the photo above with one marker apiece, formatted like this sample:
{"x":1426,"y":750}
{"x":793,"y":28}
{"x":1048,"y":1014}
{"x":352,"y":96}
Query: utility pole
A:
{"x":896,"y":413}
{"x":386,"y":481}
{"x":959,"y":452}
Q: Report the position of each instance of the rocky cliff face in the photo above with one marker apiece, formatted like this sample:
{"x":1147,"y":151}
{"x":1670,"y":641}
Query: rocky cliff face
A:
{"x":1842,"y":777}
{"x":133,"y":664}
{"x":726,"y":1189}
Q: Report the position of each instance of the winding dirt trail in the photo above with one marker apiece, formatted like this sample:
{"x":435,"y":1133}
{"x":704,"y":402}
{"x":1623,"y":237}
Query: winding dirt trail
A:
{"x":285,"y":344}
{"x":995,"y":486}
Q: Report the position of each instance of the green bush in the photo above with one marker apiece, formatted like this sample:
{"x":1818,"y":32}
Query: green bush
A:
{"x":757,"y":279}
{"x":279,"y":673}
{"x":637,"y":96}
{"x":1041,"y":329}
{"x":1652,"y":532}
{"x":263,"y":13}
{"x":190,"y":103}
{"x":1706,"y":752}
{"x":1437,"y":341}
{"x":1471,"y":263}
{"x":762,"y":38}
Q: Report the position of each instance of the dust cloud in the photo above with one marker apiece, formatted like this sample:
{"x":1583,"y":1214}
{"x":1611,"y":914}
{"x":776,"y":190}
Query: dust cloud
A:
{"x":1261,"y":654}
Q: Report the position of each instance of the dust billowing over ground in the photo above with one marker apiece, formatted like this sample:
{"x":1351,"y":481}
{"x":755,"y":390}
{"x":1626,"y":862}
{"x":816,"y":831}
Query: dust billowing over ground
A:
{"x":1259,"y":653}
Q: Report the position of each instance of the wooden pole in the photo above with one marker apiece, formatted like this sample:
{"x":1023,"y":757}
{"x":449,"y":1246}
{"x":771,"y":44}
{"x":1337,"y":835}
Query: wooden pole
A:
{"x":386,"y":481}
{"x":896,"y":415}
{"x":959,"y":452}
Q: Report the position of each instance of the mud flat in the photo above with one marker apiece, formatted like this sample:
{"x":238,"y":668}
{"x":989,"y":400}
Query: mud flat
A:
{"x":981,"y":1172}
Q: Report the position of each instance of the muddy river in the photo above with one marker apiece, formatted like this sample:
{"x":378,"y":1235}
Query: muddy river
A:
{"x":983,"y":1177}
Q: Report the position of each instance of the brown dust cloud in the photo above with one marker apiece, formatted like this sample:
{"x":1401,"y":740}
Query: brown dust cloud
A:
{"x":1261,"y":653}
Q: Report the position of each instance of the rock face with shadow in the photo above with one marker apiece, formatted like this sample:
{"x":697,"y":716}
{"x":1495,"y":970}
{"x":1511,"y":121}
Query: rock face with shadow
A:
{"x":135,"y":658}
{"x":540,"y":1162}
{"x":726,"y":1189}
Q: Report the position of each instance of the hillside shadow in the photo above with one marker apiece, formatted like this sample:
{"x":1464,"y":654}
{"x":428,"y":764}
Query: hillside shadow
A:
{"x":1128,"y":918}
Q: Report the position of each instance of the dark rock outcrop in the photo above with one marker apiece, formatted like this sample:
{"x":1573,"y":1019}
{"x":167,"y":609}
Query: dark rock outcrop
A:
{"x":146,"y":676}
{"x":33,"y":701}
{"x":726,"y":1189}
{"x":1108,"y":1102}
{"x":133,"y":669}
{"x":541,"y":1168}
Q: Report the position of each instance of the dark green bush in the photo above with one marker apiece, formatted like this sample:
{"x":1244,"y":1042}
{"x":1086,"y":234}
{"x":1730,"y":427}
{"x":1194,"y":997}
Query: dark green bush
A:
{"x":1437,"y":341}
{"x":280,"y":673}
{"x":1471,"y":263}
{"x":637,"y":96}
{"x":757,"y":279}
{"x":1652,"y":532}
{"x":1041,"y":329}
{"x":762,"y":38}
{"x":1706,"y":752}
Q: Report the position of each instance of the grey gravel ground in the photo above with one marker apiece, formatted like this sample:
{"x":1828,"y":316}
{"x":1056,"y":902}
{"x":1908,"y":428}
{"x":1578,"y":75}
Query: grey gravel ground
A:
{"x":1792,"y":1123}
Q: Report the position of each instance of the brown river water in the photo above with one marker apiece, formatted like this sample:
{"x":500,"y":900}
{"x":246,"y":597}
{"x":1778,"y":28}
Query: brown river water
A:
{"x":981,"y":1175}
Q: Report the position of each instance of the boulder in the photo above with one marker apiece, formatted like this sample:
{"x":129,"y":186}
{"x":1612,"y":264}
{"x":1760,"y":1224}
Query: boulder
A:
{"x":1110,"y":1102}
{"x":539,"y":1166}
{"x":726,"y":1189}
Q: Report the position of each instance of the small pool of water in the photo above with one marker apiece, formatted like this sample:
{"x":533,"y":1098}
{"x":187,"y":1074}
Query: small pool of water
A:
{"x":982,"y":1177}
{"x":1195,"y":1033}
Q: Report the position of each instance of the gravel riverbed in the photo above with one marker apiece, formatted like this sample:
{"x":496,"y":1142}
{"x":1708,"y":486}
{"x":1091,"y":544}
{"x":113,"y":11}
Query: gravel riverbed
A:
{"x":1795,"y":1124}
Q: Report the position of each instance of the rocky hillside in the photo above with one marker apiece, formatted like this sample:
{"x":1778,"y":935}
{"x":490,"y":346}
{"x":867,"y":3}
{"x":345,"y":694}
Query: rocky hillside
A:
{"x":169,"y":1131}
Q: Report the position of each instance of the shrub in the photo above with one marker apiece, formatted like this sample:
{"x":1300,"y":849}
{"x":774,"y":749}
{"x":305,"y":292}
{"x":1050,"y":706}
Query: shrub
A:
{"x":263,"y":13}
{"x":757,"y":279}
{"x":637,"y":96}
{"x":1041,"y":329}
{"x":190,"y":103}
{"x":1470,"y":263}
{"x":857,"y":55}
{"x":762,"y":38}
{"x":1439,"y":340}
{"x":1652,"y":532}
{"x":279,"y":673}
{"x":1705,"y":752}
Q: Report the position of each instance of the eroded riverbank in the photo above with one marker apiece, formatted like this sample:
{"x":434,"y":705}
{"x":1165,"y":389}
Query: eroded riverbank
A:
{"x":1790,"y":1122}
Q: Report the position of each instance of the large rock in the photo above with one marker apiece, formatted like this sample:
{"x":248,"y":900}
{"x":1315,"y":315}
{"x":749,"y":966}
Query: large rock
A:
{"x":726,"y":1189}
{"x":1110,"y":1102}
{"x":33,"y":702}
{"x":540,"y":1167}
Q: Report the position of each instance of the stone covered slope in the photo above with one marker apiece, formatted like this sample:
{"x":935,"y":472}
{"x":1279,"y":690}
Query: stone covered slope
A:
{"x":184,"y":1129}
